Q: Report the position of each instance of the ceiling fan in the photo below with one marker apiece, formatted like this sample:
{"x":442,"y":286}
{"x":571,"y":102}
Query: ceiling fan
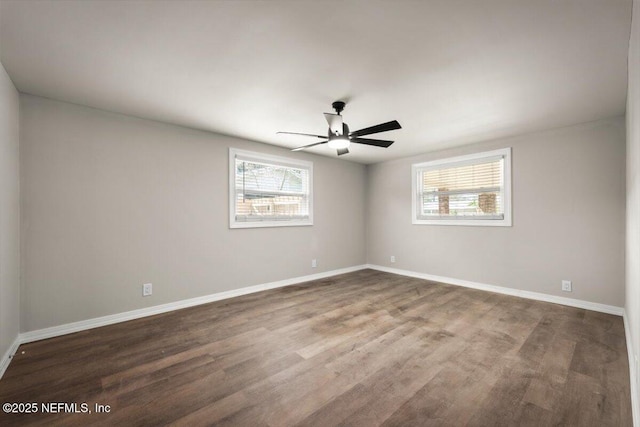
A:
{"x":339,"y":137}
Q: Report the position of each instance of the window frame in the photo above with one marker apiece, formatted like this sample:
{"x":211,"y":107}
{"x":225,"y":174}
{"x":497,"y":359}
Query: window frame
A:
{"x":452,"y":162}
{"x":272,"y":160}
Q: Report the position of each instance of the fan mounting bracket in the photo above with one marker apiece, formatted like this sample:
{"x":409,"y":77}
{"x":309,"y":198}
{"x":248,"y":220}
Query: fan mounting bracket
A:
{"x":338,"y":106}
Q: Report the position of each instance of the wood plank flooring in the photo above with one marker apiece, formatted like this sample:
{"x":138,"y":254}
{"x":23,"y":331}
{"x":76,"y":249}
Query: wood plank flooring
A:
{"x":361,"y":349}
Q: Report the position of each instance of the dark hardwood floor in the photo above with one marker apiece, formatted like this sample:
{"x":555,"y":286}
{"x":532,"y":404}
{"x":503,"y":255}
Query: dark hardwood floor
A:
{"x":361,"y":349}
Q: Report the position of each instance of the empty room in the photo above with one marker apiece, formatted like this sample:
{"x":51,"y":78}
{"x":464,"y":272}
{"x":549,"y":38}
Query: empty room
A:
{"x":298,"y":213}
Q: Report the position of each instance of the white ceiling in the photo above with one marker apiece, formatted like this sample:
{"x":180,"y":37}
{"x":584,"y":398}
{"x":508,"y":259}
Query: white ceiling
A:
{"x":451,"y":72}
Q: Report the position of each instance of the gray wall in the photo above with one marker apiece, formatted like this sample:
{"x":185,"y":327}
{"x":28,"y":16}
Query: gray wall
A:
{"x":568,"y":217}
{"x":112,"y":202}
{"x":9,"y":213}
{"x":633,"y":188}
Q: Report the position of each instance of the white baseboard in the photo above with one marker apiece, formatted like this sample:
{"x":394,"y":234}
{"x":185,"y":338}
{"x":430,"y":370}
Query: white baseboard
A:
{"x":68,"y":328}
{"x":82,"y":325}
{"x":8,"y":355}
{"x":588,"y":305}
{"x":633,"y":373}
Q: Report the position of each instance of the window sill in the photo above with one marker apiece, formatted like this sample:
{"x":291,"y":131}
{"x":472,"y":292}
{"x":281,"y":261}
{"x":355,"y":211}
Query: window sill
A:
{"x":471,"y":222}
{"x":265,"y":224}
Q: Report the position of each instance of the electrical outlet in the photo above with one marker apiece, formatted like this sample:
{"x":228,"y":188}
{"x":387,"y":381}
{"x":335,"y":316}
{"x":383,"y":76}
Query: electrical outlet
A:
{"x":314,"y":263}
{"x":566,"y":285}
{"x":392,"y":258}
{"x":147,"y":289}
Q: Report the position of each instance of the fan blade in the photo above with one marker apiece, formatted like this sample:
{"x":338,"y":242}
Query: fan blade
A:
{"x":303,"y":134}
{"x":383,"y":127}
{"x":377,"y":142}
{"x":335,"y":123}
{"x":310,"y":145}
{"x":342,"y":151}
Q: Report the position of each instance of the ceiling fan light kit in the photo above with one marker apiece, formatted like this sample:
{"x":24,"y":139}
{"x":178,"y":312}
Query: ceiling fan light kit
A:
{"x":338,"y":136}
{"x":339,"y":142}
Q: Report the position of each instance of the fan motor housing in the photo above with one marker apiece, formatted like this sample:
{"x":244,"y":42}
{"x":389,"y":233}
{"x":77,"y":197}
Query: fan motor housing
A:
{"x":345,"y":132}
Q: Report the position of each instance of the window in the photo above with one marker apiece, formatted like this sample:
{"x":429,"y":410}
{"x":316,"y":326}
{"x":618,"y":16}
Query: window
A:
{"x":269,"y":191}
{"x":465,"y":190}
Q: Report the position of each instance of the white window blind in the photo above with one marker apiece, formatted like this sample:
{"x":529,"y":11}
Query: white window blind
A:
{"x":269,"y":191}
{"x":466,"y":190}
